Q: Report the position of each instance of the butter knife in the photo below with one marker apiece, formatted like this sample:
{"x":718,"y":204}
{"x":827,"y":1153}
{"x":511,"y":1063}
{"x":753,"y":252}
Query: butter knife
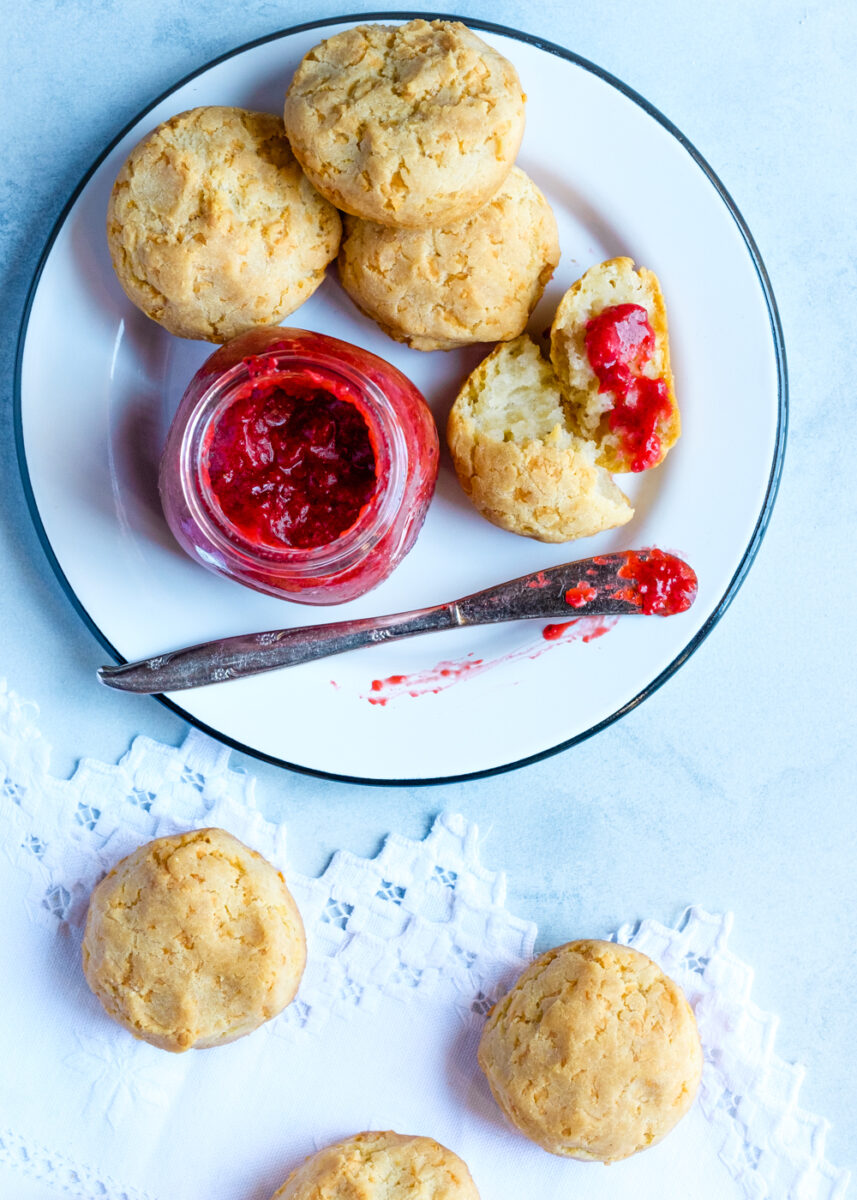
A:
{"x":646,"y":582}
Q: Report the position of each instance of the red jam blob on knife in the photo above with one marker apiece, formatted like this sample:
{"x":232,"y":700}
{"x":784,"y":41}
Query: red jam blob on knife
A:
{"x":664,"y":584}
{"x":291,"y":466}
{"x":619,"y":343}
{"x":299,"y":465}
{"x":580,"y":595}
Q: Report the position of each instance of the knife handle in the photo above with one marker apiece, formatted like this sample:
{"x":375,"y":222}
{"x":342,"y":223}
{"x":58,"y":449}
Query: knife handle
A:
{"x":253,"y":653}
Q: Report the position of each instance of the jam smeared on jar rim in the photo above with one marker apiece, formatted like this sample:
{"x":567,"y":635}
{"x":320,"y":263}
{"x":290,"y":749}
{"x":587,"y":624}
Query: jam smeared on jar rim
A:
{"x":619,"y":343}
{"x":291,"y":464}
{"x":663,"y":584}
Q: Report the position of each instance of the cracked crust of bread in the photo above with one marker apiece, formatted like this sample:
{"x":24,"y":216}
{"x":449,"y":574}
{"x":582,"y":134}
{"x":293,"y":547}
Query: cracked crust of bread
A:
{"x":516,"y":457}
{"x":414,"y":125}
{"x":213,"y":227}
{"x":612,"y":282}
{"x":476,"y":280}
{"x":193,"y":940}
{"x":381,"y":1166}
{"x":594,"y":1054}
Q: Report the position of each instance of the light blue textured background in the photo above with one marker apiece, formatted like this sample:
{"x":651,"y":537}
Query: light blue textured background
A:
{"x":734,"y":786}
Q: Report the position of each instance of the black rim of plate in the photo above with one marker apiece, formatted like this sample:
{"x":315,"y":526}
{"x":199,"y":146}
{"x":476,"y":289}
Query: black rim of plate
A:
{"x":782,"y":397}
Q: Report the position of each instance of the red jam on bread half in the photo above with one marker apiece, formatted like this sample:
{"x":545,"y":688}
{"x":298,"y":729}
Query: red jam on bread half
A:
{"x":610,"y":351}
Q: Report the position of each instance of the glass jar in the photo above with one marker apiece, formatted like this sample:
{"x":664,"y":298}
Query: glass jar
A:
{"x":273,"y":385}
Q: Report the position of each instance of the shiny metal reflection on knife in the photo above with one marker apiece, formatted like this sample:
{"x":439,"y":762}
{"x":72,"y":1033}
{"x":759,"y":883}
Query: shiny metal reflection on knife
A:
{"x":646,"y":582}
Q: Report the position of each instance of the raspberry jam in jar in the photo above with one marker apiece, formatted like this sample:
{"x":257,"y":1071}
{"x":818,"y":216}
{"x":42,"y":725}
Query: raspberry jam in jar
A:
{"x":299,"y":465}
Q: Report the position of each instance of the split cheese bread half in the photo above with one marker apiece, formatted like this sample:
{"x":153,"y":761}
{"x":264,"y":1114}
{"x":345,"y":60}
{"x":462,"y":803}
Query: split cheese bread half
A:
{"x":517,"y":457}
{"x":632,"y":434}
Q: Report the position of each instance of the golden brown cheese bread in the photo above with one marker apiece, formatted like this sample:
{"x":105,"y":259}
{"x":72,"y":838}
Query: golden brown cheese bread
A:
{"x":380,"y":1166}
{"x":193,"y":940}
{"x":415,"y":124}
{"x":476,"y":280}
{"x":633,"y":432}
{"x":213,"y":227}
{"x":594,"y":1053}
{"x":517,"y":458}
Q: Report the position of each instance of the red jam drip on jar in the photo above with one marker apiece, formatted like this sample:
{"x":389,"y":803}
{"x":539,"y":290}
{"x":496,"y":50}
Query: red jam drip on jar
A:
{"x":665,"y":585}
{"x":619,"y":343}
{"x":291,"y":466}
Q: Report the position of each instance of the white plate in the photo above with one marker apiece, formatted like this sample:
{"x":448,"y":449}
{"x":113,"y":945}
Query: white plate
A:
{"x":98,"y":383}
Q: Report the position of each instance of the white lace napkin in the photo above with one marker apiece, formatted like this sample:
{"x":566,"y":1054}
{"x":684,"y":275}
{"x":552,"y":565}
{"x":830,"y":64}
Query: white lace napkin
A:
{"x":407,"y":952}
